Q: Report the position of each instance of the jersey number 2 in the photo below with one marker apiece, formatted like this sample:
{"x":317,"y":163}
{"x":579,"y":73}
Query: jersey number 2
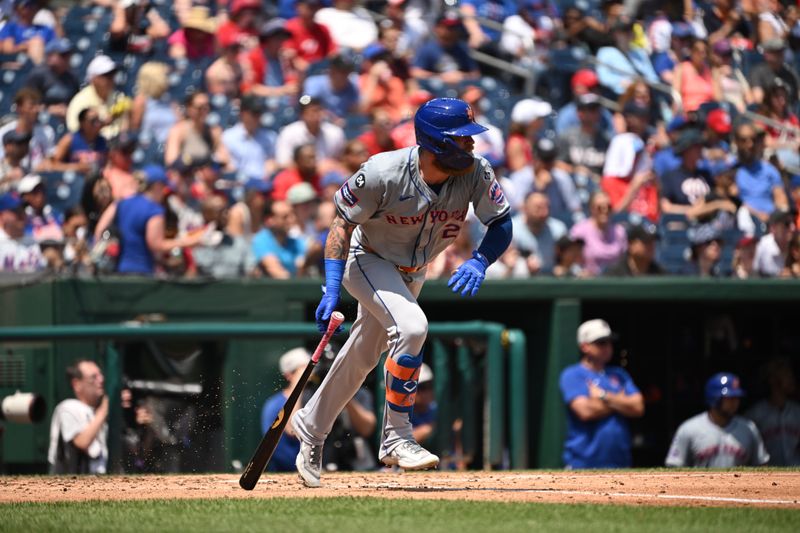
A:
{"x":450,"y":231}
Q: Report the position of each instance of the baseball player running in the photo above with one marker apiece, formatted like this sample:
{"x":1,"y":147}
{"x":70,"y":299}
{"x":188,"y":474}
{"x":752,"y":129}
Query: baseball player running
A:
{"x":394,"y":215}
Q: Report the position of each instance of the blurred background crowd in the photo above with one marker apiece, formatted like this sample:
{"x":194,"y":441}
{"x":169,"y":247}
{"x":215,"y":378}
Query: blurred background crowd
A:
{"x":207,"y":138}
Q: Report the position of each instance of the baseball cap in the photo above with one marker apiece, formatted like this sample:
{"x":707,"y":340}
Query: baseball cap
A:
{"x":677,"y":123}
{"x":257,"y":184}
{"x":584,"y":77}
{"x":253,"y":104}
{"x":633,"y":107}
{"x":272,"y":27}
{"x":703,"y":234}
{"x":17,"y":137}
{"x":293,"y":359}
{"x":125,"y":141}
{"x":719,"y":121}
{"x":594,"y":330}
{"x":100,"y":66}
{"x":29,"y":183}
{"x":333,"y":178}
{"x":588,"y":100}
{"x":238,"y":5}
{"x":425,"y":374}
{"x":530,"y":109}
{"x":301,"y":193}
{"x":307,"y":100}
{"x":228,"y":39}
{"x":9,"y":202}
{"x":682,"y":30}
{"x":58,"y":46}
{"x":643,"y":232}
{"x":776,"y":44}
{"x":688,"y":138}
{"x":374,"y":50}
{"x":155,"y":174}
{"x":777,"y":217}
{"x":565,"y":241}
{"x":449,"y":18}
{"x":623,"y":24}
{"x":545,"y":149}
{"x":722,"y":47}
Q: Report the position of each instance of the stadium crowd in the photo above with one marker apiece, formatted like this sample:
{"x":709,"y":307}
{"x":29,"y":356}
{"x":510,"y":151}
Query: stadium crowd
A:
{"x":207,"y":138}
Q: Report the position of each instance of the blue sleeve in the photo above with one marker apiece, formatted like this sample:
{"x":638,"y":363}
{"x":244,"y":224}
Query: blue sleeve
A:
{"x":47,"y":34}
{"x":572,"y":385}
{"x":774,"y":177}
{"x":426,"y":57}
{"x":261,"y":245}
{"x":5,"y":31}
{"x":628,"y":385}
{"x":154,"y":210}
{"x":497,"y":238}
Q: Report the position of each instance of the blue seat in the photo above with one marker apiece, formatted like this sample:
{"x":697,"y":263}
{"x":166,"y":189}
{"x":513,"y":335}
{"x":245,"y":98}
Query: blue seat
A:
{"x":64,"y":189}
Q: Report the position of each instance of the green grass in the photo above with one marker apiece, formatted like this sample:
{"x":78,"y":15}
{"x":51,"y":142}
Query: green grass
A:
{"x":367,"y":515}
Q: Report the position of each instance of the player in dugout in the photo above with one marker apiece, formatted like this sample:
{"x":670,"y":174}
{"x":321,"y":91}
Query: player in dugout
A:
{"x":394,"y":216}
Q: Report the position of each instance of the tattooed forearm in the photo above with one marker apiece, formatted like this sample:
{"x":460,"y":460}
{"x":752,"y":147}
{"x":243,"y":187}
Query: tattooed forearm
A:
{"x":338,"y":243}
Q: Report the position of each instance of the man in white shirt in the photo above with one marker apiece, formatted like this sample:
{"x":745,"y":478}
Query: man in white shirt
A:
{"x":772,"y":248}
{"x":718,"y":438}
{"x":78,"y":429}
{"x":252,"y":146}
{"x":17,"y":253}
{"x":327,"y":138}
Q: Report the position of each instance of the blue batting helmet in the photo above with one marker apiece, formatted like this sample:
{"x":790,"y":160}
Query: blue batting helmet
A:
{"x":722,"y":385}
{"x":438,"y":121}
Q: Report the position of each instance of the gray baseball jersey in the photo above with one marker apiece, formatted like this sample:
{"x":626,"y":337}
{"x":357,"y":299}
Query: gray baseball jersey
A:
{"x":402,"y":225}
{"x":780,"y":429}
{"x":701,"y":442}
{"x":402,"y":219}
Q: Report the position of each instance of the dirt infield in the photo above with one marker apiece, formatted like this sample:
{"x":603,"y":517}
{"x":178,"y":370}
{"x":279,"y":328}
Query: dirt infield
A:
{"x":743,"y":489}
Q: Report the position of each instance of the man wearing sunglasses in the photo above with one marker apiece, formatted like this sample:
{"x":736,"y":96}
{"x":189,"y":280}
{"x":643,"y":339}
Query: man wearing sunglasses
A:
{"x":599,"y":399}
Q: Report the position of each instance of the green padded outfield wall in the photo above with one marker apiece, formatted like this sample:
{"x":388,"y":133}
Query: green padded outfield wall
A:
{"x":674,"y":332}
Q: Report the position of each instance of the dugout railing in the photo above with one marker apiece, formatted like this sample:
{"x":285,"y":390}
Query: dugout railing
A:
{"x":497,"y":372}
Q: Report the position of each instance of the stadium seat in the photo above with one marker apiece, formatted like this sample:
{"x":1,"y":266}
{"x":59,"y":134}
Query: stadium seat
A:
{"x":64,"y":189}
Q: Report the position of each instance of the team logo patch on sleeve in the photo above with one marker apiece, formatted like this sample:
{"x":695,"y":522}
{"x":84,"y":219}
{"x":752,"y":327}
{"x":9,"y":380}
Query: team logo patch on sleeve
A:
{"x":348,"y":196}
{"x":360,"y":181}
{"x":496,"y":194}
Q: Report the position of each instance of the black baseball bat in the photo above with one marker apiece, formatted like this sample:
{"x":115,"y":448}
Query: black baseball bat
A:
{"x":270,"y":440}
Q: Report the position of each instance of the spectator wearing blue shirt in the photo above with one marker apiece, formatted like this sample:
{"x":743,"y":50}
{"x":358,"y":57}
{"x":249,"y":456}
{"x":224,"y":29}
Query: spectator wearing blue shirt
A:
{"x":599,"y":400}
{"x":279,"y":254}
{"x":760,"y":184}
{"x":495,"y":10}
{"x":337,"y":89}
{"x":583,"y":82}
{"x":423,"y":417}
{"x":619,"y":65}
{"x":445,"y":55}
{"x":139,"y":220}
{"x":21,"y":35}
{"x":250,"y":145}
{"x":291,"y":364}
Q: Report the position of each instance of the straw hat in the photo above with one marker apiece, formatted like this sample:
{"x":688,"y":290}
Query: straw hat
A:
{"x":199,"y":19}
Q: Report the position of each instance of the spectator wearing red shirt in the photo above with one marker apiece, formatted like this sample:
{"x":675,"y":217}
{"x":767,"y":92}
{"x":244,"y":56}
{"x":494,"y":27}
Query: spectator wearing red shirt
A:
{"x":378,"y":138}
{"x":267,"y":72}
{"x":243,"y":23}
{"x":379,"y":87}
{"x":310,"y":41}
{"x":304,"y":170}
{"x":628,"y":176}
{"x":195,"y":40}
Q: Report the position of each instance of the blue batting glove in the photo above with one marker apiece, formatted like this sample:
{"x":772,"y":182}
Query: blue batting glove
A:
{"x":469,"y":276}
{"x":334,"y":270}
{"x":326,"y":307}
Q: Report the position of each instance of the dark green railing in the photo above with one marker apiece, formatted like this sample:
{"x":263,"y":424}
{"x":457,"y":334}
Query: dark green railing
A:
{"x":498,"y":342}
